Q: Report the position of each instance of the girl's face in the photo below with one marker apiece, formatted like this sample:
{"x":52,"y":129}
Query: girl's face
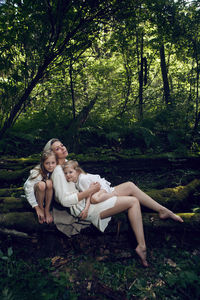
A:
{"x":71,"y":174}
{"x":50,"y":163}
{"x":60,"y":150}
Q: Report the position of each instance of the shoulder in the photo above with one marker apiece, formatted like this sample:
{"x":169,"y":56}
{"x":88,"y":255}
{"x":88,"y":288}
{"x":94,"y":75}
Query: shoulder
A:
{"x":58,"y":170}
{"x":58,"y":173}
{"x":35,"y":172}
{"x":83,"y":176}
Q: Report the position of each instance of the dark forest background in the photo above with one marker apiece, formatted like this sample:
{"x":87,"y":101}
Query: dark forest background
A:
{"x":121,"y":75}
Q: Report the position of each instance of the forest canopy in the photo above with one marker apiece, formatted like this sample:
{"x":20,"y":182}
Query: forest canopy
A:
{"x":121,"y":74}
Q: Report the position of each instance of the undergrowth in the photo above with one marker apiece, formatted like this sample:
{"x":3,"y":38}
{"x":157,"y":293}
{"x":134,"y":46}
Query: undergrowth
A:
{"x":173,"y":274}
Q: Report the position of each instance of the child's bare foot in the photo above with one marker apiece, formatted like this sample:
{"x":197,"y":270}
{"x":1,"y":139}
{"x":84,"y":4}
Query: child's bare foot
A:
{"x":48,"y":217}
{"x":166,"y":213}
{"x":142,"y":253}
{"x":40,"y":214}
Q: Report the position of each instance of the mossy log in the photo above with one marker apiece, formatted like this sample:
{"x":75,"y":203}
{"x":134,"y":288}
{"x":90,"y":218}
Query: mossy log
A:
{"x":18,"y":218}
{"x":25,"y":224}
{"x":180,"y":198}
{"x":8,"y":177}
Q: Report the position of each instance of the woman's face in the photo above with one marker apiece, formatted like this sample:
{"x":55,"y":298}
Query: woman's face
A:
{"x":59,"y":149}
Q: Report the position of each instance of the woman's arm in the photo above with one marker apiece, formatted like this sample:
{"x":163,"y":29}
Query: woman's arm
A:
{"x":65,"y":192}
{"x":87,"y":186}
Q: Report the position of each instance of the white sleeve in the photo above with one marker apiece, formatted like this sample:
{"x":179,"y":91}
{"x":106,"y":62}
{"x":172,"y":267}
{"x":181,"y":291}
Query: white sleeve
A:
{"x":65,"y":192}
{"x":29,"y":188}
{"x":84,"y":182}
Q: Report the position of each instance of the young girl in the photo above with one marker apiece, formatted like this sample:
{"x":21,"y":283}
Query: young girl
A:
{"x":39,"y":188}
{"x":74,"y":173}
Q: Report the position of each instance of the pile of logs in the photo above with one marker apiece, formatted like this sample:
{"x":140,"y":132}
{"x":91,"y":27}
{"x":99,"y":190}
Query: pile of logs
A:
{"x":17,"y":218}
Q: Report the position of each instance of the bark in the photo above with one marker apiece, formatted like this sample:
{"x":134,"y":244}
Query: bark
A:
{"x":164,"y":75}
{"x":72,"y":89}
{"x":141,"y":80}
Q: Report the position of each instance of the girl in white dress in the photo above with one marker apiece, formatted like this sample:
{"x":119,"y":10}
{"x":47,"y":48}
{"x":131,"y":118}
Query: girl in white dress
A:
{"x":74,"y":173}
{"x":39,"y":188}
{"x":129,"y":199}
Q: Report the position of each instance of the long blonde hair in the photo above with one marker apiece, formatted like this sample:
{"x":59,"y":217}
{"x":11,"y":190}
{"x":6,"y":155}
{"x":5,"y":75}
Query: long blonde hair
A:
{"x":74,"y":165}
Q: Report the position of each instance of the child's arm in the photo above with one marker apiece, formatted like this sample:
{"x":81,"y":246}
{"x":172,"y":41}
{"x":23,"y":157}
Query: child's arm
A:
{"x":83,"y":215}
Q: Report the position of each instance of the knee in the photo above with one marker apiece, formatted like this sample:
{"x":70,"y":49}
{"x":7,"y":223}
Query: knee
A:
{"x":130,"y":185}
{"x":49,"y":184}
{"x":93,"y":200}
{"x":41,"y":186}
{"x":135,"y":201}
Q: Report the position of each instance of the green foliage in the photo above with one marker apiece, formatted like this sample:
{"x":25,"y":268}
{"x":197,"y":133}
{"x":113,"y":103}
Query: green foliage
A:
{"x":101,"y":45}
{"x":22,"y":281}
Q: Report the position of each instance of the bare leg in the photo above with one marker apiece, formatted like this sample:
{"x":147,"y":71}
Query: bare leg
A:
{"x":48,"y":198}
{"x":101,"y":196}
{"x":130,"y":189}
{"x":40,"y":195}
{"x":132,"y":205}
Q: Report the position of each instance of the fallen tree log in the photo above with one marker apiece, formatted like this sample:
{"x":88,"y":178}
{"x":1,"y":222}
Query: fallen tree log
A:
{"x":25,"y":223}
{"x":17,"y":218}
{"x":178,"y":199}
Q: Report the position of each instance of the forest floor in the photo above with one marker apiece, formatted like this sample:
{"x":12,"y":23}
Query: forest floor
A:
{"x":87,"y":269}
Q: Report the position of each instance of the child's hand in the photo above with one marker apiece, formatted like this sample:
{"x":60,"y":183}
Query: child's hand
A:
{"x":83,"y":215}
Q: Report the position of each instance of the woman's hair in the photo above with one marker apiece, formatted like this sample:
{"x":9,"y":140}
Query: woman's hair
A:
{"x":50,"y":143}
{"x":74,"y":165}
{"x":41,"y":170}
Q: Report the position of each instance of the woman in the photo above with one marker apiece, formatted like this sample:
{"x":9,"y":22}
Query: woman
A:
{"x":129,"y":199}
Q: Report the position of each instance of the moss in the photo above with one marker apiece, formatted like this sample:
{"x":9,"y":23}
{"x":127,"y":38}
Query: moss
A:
{"x":13,"y":204}
{"x":10,"y":175}
{"x":175,"y":197}
{"x":11,"y":192}
{"x":22,"y":221}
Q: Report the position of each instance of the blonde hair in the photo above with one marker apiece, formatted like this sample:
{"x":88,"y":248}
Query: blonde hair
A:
{"x":41,"y":170}
{"x":50,"y":143}
{"x":74,"y":165}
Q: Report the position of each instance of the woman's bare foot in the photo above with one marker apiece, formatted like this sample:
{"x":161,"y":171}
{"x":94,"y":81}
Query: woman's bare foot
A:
{"x":48,"y":217}
{"x":142,"y":253}
{"x":166,"y":213}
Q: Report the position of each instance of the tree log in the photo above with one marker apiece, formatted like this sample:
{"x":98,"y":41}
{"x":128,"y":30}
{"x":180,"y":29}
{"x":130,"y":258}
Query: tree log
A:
{"x":17,"y":218}
{"x":25,"y":224}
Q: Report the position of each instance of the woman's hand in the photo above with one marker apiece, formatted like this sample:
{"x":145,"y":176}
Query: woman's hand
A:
{"x":94,"y":187}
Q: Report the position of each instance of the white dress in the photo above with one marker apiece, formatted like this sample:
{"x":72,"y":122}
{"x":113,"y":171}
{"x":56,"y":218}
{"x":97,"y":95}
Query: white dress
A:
{"x":84,"y":181}
{"x":67,"y":195}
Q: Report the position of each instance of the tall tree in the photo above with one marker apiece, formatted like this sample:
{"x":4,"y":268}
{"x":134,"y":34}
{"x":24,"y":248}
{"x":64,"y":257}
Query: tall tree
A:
{"x":33,"y":35}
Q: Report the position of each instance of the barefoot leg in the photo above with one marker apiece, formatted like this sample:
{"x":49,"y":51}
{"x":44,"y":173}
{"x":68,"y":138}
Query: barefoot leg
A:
{"x":134,"y":214}
{"x":129,"y":188}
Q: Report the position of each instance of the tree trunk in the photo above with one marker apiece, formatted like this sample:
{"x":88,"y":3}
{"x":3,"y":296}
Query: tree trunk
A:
{"x":164,"y":75}
{"x":141,"y":80}
{"x":72,"y":89}
{"x":72,"y":130}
